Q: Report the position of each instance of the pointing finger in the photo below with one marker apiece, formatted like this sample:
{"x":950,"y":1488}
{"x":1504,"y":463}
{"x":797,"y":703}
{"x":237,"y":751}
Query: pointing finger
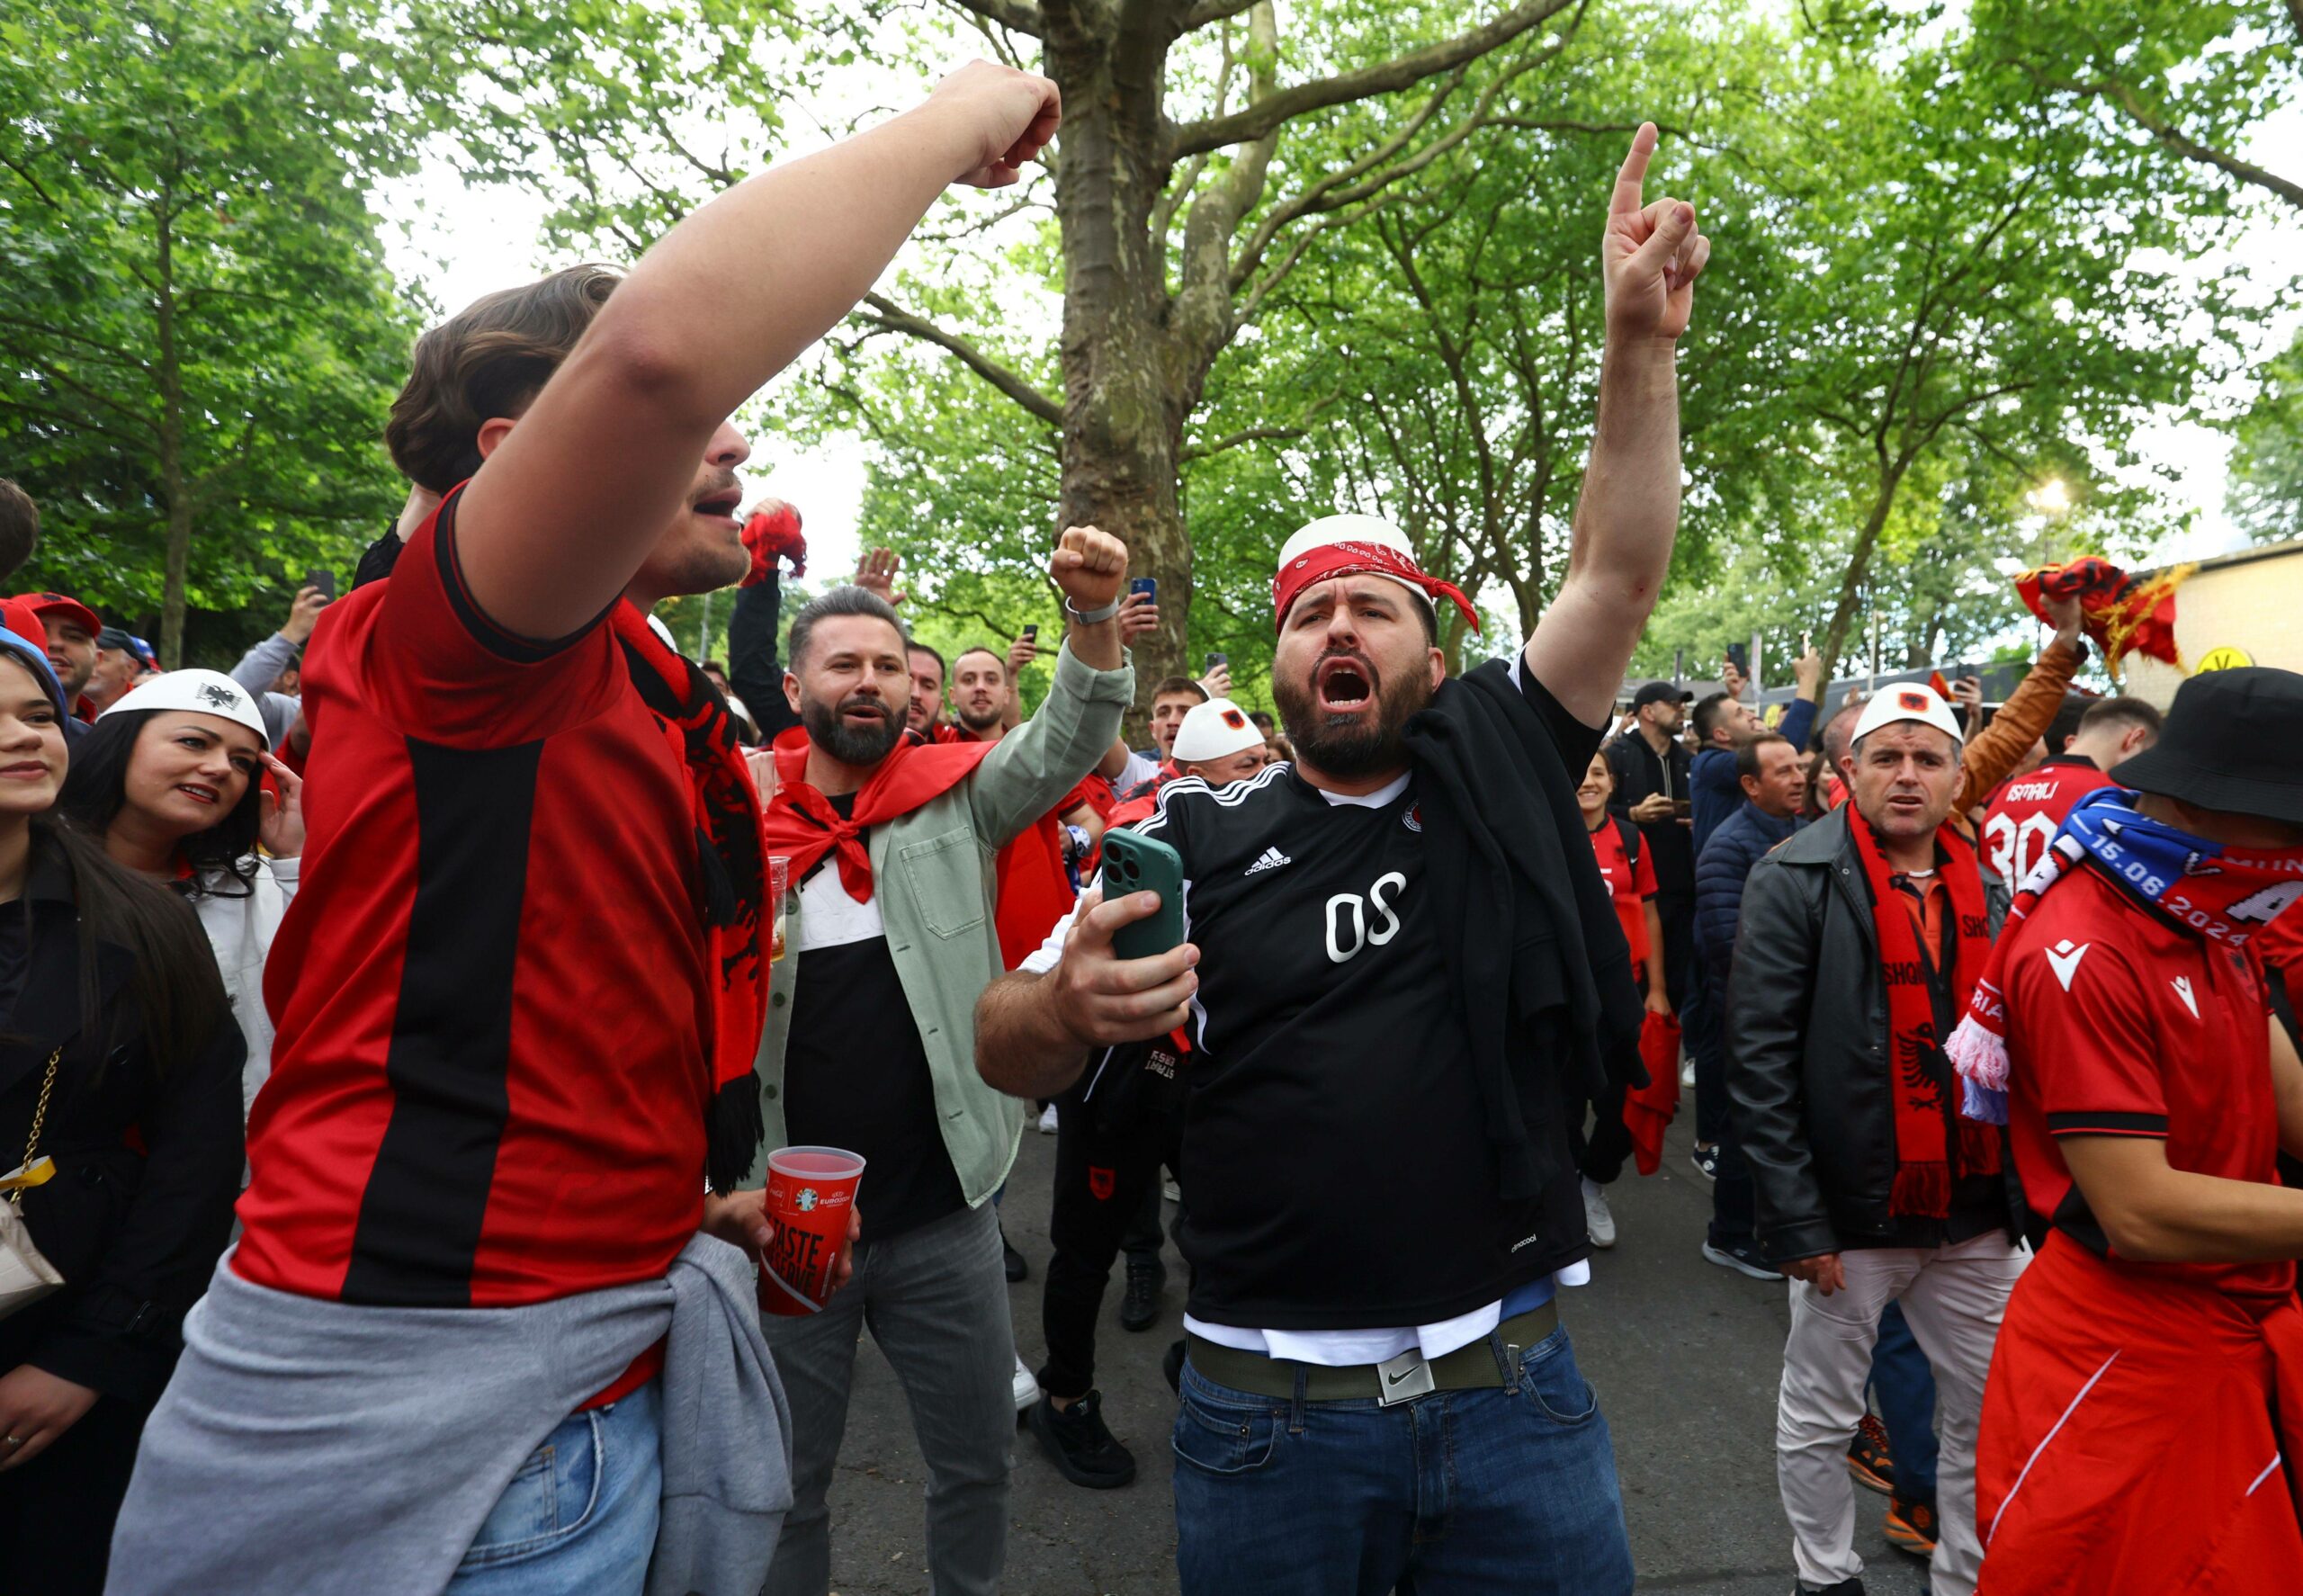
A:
{"x":1625,"y":202}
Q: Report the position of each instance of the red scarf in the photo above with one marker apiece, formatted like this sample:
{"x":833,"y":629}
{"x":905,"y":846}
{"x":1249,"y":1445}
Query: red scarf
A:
{"x":732,"y":882}
{"x":1928,"y":1158}
{"x":802,"y":823}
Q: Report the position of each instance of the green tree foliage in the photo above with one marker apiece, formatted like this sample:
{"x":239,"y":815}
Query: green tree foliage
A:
{"x":2189,"y":78}
{"x":199,"y":332}
{"x":2266,"y":490}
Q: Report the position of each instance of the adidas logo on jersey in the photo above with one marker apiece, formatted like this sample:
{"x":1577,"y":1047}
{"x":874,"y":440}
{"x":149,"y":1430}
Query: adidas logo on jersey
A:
{"x":1271,"y":858}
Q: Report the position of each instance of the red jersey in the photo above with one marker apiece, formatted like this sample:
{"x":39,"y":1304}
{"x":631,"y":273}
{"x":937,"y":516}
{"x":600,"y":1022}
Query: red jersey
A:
{"x":1631,"y":883}
{"x":2028,"y":810}
{"x":2120,"y":1024}
{"x":491,"y":1072}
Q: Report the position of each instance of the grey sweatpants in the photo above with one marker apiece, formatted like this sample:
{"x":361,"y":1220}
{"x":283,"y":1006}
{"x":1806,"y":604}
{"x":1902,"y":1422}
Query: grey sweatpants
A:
{"x":935,"y":1301}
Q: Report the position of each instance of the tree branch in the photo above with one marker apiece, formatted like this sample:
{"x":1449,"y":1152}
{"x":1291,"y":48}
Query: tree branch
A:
{"x":1208,"y":12}
{"x":2174,"y":137}
{"x":1017,"y":16}
{"x":1263,"y":116}
{"x":884,"y":312}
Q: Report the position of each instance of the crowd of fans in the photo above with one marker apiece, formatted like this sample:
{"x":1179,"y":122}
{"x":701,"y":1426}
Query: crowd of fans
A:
{"x":398,"y":1026}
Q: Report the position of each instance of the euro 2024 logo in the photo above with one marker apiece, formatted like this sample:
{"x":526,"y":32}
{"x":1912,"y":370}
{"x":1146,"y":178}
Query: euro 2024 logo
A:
{"x":807,"y":1200}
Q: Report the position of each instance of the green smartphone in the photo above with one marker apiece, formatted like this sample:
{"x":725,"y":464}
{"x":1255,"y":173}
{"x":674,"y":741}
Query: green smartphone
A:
{"x":1134,"y":863}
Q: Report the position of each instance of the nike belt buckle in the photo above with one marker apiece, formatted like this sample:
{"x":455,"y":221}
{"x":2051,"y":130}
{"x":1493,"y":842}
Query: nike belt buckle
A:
{"x":1405,"y":1377}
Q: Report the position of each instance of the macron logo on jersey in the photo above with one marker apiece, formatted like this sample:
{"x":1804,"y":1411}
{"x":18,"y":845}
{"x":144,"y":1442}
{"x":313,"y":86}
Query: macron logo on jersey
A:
{"x":2063,"y":959}
{"x":1271,"y":858}
{"x":2182,"y":985}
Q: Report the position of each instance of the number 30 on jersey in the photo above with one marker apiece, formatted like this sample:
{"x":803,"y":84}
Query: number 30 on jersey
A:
{"x":1355,"y":922}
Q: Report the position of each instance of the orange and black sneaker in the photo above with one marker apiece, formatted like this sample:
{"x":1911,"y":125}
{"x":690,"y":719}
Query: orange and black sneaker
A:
{"x":1910,"y":1527}
{"x":1868,"y":1459}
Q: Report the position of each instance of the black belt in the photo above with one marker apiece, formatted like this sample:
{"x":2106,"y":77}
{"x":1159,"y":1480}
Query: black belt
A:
{"x":1471,"y":1368}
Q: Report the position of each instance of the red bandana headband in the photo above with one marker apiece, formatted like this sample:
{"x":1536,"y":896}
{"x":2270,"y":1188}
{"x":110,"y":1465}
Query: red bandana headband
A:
{"x":1330,"y":561}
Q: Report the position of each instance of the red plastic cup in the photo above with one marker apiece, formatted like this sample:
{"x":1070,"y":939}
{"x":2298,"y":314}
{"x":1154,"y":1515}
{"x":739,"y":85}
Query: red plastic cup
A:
{"x":810,"y":1193}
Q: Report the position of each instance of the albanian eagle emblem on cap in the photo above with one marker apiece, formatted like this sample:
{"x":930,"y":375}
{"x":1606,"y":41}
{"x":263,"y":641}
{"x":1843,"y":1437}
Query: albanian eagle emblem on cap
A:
{"x":221,"y":696}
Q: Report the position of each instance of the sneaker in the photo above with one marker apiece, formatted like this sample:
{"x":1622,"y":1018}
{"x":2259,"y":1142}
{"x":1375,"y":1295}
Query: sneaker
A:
{"x":1169,"y":1191}
{"x":1598,"y":1218}
{"x":1077,"y":1442}
{"x":1047,"y":1120}
{"x":1027,"y":1389}
{"x":1868,"y":1458}
{"x":1706,"y":1162}
{"x":1743,"y":1261}
{"x":1018,"y":1270}
{"x":1147,"y":1277}
{"x":1687,"y":1074}
{"x":1910,"y":1527}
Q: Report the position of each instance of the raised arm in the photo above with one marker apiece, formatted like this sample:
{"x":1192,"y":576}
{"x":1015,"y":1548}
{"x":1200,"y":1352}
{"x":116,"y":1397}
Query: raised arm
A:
{"x":1630,"y":509}
{"x":722,"y":302}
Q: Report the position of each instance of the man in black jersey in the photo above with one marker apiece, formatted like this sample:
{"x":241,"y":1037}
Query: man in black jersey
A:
{"x":1401,"y":970}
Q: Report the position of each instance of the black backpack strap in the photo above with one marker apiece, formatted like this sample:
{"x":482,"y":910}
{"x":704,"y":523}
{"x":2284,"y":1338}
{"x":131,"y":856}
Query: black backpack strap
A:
{"x":1631,"y":838}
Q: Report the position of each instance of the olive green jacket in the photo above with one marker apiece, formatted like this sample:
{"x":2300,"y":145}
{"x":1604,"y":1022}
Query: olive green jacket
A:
{"x":932,"y":873}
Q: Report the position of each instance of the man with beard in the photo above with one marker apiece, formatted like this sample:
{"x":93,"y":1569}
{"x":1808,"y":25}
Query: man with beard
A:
{"x":869,"y":1034}
{"x":1403,"y":972}
{"x":520,"y":995}
{"x":925,"y":714}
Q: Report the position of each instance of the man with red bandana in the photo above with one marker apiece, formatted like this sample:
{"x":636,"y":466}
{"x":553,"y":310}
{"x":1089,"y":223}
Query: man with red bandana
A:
{"x":2141,"y":1425}
{"x":1402,"y":964}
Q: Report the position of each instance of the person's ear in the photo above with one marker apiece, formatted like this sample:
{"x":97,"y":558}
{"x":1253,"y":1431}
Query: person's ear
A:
{"x":492,"y":434}
{"x":792,"y":691}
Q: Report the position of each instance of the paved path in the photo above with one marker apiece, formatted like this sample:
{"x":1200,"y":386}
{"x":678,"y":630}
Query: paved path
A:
{"x":1685,"y":1357}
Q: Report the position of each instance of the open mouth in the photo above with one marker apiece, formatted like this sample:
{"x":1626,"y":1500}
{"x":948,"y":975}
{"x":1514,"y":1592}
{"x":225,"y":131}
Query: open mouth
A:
{"x":1342,"y":686}
{"x":863,"y":712}
{"x":198,"y":792}
{"x":722,"y":504}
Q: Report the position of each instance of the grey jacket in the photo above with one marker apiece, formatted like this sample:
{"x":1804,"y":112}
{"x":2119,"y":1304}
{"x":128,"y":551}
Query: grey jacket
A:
{"x":932,"y":874}
{"x":307,"y":1448}
{"x":1807,"y":1049}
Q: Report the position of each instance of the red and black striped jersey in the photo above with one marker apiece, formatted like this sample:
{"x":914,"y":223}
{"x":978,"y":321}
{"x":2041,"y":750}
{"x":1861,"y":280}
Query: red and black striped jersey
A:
{"x":490,"y":1077}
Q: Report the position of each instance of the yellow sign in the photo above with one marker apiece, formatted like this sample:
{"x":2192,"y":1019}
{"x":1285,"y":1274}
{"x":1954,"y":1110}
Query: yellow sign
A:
{"x":2224,"y":659}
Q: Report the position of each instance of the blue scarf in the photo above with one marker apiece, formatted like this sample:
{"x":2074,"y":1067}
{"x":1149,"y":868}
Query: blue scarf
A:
{"x":2218,"y":892}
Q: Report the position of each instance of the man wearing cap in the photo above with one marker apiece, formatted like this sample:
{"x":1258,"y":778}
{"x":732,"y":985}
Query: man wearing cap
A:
{"x":122,"y":661}
{"x":2143,"y":1411}
{"x":1861,"y":938}
{"x":1401,"y":968}
{"x":72,"y":629}
{"x":1216,"y":742}
{"x":1114,"y":1129}
{"x":1655,"y":788}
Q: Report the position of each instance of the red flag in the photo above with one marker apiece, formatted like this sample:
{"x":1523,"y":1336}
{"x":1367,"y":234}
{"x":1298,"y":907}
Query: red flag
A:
{"x":2122,"y":613}
{"x":1647,"y":1110}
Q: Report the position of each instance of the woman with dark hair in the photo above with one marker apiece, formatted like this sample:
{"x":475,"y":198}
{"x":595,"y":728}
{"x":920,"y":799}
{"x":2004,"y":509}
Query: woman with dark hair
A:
{"x":171,"y":781}
{"x":119,"y":1068}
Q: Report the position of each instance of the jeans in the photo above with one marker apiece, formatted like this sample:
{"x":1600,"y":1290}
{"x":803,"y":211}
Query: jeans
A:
{"x":1904,"y":1387}
{"x":1510,"y":1491}
{"x":936,"y":1300}
{"x":579,"y":1517}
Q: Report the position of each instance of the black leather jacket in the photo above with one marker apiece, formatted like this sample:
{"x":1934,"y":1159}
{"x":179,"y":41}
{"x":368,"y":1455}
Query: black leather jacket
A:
{"x":1808,"y":1050}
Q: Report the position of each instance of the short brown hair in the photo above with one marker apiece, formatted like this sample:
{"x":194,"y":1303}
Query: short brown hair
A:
{"x":1179,"y":683}
{"x":488,"y":359}
{"x":19,"y":528}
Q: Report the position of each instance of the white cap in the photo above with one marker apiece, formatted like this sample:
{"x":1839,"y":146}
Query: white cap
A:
{"x":207,"y":692}
{"x":1906,"y":701}
{"x":1214,"y":729}
{"x":1353,"y":529}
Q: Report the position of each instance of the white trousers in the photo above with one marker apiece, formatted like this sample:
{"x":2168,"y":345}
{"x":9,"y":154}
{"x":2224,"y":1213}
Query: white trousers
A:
{"x":1952,"y":1299}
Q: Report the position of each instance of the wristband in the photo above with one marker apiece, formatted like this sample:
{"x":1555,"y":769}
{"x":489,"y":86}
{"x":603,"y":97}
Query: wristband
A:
{"x":1091,"y":617}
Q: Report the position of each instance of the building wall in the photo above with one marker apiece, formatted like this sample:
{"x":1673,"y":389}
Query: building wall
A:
{"x":2253,"y":601}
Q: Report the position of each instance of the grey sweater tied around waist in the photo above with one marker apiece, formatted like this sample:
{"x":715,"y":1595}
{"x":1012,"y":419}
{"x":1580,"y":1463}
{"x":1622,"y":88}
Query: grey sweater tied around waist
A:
{"x":310,"y":1448}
